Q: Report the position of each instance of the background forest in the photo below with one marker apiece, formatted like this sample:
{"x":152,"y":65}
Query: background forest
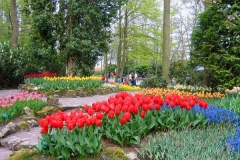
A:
{"x":72,"y":37}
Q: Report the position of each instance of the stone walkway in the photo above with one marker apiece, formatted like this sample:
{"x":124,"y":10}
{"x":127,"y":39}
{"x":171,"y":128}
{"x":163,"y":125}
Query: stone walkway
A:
{"x":33,"y":134}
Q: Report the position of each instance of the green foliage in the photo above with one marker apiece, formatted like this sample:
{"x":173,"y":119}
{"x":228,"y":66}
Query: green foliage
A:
{"x":63,"y":144}
{"x":154,"y":82}
{"x":228,"y":102}
{"x":59,"y":84}
{"x":16,"y":62}
{"x":12,"y":66}
{"x":79,"y":31}
{"x":18,"y":109}
{"x":160,"y":120}
{"x":142,"y":70}
{"x":112,"y":67}
{"x":216,"y":43}
{"x":129,"y":133}
{"x":204,"y":143}
{"x":178,"y":119}
{"x":180,"y":69}
{"x":5,"y":21}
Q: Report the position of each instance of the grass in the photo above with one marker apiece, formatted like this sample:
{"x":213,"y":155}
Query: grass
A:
{"x":228,"y":102}
{"x":207,"y":143}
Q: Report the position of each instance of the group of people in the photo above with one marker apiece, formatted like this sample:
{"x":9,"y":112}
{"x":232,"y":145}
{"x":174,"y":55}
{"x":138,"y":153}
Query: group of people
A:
{"x":130,"y":79}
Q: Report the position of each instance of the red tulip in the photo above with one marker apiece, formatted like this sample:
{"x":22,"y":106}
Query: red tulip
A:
{"x":112,"y":106}
{"x":172,"y":104}
{"x":88,"y":122}
{"x":191,"y":103}
{"x":157,"y":106}
{"x":195,"y":99}
{"x":99,"y":115}
{"x":187,"y":107}
{"x":98,"y":108}
{"x":80,"y":123}
{"x":98,"y":122}
{"x":94,"y":106}
{"x":117,"y":111}
{"x":125,"y":108}
{"x":167,"y":102}
{"x":73,"y":113}
{"x":135,"y":110}
{"x":127,"y":116}
{"x":111,"y":114}
{"x":70,"y":126}
{"x":93,"y":120}
{"x":43,"y":122}
{"x":205,"y":105}
{"x":86,"y":107}
{"x":142,"y":114}
{"x":145,"y":107}
{"x":90,"y":111}
{"x":60,"y":124}
{"x":122,"y":120}
{"x":44,"y":130}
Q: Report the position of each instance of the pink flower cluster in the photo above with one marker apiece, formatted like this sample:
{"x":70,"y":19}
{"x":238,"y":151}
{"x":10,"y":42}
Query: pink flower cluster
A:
{"x":23,"y":96}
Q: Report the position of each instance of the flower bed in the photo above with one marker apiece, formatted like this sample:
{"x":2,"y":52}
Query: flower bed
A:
{"x":163,"y":91}
{"x":13,"y":106}
{"x":37,"y":75}
{"x":125,"y":119}
{"x":69,"y":83}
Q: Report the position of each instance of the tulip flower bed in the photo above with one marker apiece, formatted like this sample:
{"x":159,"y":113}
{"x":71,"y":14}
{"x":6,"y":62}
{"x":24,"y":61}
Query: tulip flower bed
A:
{"x":124,"y":87}
{"x":163,"y":91}
{"x":125,"y":119}
{"x":13,"y":106}
{"x":70,"y":83}
{"x":38,"y":75}
{"x":192,"y":89}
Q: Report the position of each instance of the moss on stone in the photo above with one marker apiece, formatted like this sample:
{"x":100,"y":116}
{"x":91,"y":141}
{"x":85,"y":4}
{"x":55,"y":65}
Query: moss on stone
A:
{"x":61,"y":92}
{"x":50,"y":92}
{"x":20,"y":86}
{"x":115,"y":153}
{"x":47,"y":110}
{"x":22,"y":154}
{"x":71,"y":94}
{"x":23,"y":125}
{"x":29,"y":118}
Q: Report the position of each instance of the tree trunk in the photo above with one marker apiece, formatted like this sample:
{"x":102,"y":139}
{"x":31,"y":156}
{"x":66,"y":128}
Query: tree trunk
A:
{"x":14,"y":19}
{"x":106,"y":66}
{"x":166,"y":40}
{"x":206,"y":80}
{"x":119,"y":53}
{"x":124,"y":55}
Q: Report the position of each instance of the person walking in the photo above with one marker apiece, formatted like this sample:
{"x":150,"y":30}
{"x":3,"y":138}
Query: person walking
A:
{"x":126,"y":80}
{"x":188,"y":80}
{"x":134,"y":78}
{"x":103,"y":78}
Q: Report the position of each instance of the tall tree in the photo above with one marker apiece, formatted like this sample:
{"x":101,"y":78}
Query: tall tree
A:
{"x":5,"y":21}
{"x":75,"y":29}
{"x":137,"y":34}
{"x":15,"y":24}
{"x":216,"y":41}
{"x":166,"y":40}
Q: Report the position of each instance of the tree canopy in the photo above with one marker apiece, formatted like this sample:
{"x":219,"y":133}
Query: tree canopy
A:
{"x":78,"y":30}
{"x":216,"y":41}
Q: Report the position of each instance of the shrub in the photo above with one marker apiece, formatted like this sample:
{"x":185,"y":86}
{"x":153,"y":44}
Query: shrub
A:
{"x":154,"y":82}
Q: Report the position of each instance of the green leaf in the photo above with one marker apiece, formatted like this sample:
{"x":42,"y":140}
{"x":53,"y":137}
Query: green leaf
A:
{"x":194,"y":123}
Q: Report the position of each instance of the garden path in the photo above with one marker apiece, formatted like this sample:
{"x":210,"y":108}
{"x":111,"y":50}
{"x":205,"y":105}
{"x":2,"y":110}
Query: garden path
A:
{"x":34,"y":133}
